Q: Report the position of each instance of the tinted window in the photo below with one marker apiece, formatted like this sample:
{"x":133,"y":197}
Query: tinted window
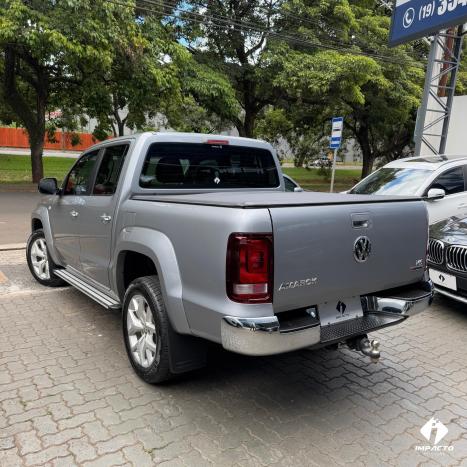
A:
{"x":109,"y":170}
{"x":289,"y":185}
{"x":79,"y":178}
{"x":186,"y":165}
{"x":451,"y":181}
{"x":392,"y":181}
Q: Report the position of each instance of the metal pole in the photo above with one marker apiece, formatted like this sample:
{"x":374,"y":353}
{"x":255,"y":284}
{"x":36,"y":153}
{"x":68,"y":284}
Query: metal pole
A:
{"x":421,"y":114}
{"x":333,"y":170}
{"x":431,"y":129}
{"x":452,"y":86}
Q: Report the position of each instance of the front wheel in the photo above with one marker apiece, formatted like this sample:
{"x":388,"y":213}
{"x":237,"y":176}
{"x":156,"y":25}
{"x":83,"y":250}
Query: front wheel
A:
{"x":146,"y":330}
{"x":39,"y":261}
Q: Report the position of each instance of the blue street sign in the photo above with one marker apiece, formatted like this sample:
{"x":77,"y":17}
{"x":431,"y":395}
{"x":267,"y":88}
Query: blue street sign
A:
{"x":336,"y":134}
{"x":412,"y":19}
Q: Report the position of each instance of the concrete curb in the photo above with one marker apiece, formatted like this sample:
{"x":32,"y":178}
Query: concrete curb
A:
{"x":13,"y":246}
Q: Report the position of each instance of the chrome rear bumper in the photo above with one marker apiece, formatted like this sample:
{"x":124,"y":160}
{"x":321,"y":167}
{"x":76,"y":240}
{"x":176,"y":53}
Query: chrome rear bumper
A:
{"x":263,"y":335}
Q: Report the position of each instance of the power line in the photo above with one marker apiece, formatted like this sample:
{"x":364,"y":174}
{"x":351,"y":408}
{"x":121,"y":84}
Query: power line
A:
{"x":220,"y":22}
{"x":344,"y":47}
{"x":174,"y":5}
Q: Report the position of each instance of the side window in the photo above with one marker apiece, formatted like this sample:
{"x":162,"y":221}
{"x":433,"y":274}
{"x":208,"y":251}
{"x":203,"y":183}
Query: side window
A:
{"x":109,"y":170}
{"x":79,"y":179}
{"x":451,"y":181}
{"x":289,"y":185}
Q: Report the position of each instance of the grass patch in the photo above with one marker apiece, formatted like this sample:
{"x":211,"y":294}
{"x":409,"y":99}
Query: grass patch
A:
{"x":17,"y":169}
{"x":309,"y":179}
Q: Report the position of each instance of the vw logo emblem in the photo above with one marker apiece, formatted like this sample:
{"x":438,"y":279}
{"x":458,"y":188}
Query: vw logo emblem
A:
{"x":362,"y":249}
{"x":408,"y":18}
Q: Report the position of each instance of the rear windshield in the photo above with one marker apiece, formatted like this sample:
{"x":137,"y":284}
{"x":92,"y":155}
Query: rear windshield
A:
{"x":392,"y":181}
{"x":189,"y":165}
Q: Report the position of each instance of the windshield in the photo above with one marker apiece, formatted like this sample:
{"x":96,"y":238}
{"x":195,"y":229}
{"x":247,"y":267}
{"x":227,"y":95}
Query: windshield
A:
{"x":392,"y":181}
{"x":189,"y":165}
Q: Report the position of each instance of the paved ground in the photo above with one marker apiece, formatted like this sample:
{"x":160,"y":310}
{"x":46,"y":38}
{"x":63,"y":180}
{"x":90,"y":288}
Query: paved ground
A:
{"x":15,"y":216}
{"x":68,"y":395}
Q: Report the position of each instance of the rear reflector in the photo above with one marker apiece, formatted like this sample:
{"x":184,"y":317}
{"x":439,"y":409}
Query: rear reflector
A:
{"x":250,"y":268}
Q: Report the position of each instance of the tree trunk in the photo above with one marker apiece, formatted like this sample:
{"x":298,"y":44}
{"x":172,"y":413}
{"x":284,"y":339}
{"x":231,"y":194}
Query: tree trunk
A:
{"x":249,"y":123}
{"x":36,"y":142}
{"x":364,"y":143}
{"x":367,"y":166}
{"x":120,"y":124}
{"x":31,"y":116}
{"x":247,"y":127}
{"x":121,"y":128}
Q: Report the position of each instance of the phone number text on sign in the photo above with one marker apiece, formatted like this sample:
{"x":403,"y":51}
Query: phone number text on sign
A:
{"x":444,"y":6}
{"x":413,"y":19}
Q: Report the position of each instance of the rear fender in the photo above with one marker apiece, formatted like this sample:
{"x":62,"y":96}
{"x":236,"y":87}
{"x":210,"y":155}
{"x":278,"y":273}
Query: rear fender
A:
{"x":156,"y":246}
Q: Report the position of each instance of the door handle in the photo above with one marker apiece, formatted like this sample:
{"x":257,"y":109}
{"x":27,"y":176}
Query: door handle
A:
{"x":462,"y":205}
{"x":106,"y":218}
{"x":74,"y":213}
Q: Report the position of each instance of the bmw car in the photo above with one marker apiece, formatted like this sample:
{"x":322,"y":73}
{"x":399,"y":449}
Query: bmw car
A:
{"x":447,"y":257}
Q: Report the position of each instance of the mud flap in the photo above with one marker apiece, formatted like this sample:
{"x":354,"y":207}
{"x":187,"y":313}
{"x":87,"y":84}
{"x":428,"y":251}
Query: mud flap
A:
{"x":187,"y":353}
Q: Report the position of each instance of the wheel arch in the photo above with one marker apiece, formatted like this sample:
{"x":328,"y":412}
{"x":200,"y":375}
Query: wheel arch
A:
{"x":149,"y":252}
{"x":40,"y":220}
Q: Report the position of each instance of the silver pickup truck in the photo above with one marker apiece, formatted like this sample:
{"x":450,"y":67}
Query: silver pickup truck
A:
{"x":194,"y":239}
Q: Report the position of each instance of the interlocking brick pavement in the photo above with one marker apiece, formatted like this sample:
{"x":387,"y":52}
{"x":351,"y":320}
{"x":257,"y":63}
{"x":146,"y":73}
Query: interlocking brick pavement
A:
{"x":68,"y":395}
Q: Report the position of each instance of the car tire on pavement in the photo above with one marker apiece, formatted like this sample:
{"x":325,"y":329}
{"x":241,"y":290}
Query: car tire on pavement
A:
{"x":146,"y":330}
{"x":39,"y":261}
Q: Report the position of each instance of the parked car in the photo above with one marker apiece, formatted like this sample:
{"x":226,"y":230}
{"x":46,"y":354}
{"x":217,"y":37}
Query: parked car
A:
{"x":441,"y":180}
{"x":193,"y":238}
{"x":290,"y":184}
{"x":447,"y":257}
{"x":322,"y":161}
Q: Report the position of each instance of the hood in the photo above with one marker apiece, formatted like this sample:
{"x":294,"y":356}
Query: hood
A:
{"x":452,"y":230}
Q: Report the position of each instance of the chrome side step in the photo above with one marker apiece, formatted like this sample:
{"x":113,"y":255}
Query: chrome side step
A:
{"x":87,"y":289}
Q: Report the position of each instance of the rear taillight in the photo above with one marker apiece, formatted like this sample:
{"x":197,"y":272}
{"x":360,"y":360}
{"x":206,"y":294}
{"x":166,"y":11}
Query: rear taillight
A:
{"x":250,"y":268}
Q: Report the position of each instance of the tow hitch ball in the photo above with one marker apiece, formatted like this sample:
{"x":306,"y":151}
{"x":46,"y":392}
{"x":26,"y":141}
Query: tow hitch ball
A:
{"x":366,"y":347}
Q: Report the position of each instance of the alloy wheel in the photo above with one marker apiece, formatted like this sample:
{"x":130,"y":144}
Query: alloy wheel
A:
{"x":40,"y":259}
{"x":141,"y":330}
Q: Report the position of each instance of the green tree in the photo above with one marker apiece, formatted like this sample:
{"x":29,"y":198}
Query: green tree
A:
{"x":218,"y":36}
{"x":48,"y":49}
{"x":142,"y":80}
{"x":375,"y":88}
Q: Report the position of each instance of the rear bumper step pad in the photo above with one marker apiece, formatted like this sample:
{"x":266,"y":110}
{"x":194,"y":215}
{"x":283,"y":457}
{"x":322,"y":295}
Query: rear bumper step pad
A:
{"x":357,"y":326}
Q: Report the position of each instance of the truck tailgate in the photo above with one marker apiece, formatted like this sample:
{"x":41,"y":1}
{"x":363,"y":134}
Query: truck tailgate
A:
{"x":314,"y":250}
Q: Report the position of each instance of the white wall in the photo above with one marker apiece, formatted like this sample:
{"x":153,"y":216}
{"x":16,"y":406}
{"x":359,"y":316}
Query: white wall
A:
{"x":457,"y":135}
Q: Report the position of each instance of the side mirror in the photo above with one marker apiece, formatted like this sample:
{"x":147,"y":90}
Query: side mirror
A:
{"x":435,"y":193}
{"x":298,"y":189}
{"x":48,"y":186}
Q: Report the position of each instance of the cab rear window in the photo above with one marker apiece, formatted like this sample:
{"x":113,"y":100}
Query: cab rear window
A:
{"x":190,"y":165}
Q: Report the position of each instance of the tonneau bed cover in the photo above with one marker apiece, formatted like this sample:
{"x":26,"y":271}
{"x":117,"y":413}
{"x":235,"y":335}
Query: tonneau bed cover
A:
{"x":269,"y":199}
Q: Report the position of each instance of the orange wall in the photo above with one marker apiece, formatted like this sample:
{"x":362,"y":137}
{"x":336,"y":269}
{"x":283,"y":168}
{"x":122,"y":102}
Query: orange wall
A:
{"x":18,"y":138}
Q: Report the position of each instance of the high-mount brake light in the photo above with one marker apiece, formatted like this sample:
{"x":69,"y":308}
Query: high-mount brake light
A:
{"x":250,"y":268}
{"x":218,"y":142}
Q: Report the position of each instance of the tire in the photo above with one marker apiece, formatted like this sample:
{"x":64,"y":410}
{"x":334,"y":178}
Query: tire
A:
{"x":39,"y":261}
{"x":147,"y":347}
